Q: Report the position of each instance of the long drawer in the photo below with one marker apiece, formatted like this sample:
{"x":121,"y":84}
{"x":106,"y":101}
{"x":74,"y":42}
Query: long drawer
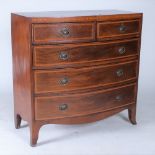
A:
{"x":83,"y":104}
{"x":61,"y":55}
{"x":47,"y":81}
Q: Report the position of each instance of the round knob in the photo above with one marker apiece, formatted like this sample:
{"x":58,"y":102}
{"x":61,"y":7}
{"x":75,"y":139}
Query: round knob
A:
{"x":63,"y":107}
{"x":64,"y":81}
{"x":121,"y":50}
{"x":122,"y":28}
{"x":119,"y":72}
{"x":65,"y":31}
{"x":63,"y":55}
{"x":119,"y":97}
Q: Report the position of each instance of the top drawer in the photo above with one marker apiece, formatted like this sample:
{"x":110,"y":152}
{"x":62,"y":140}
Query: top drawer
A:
{"x":117,"y":29}
{"x":63,"y":33}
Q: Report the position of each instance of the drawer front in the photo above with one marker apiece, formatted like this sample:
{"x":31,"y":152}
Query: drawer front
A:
{"x":76,"y":105}
{"x":71,"y":79}
{"x":117,"y":29}
{"x":73,"y":54}
{"x":63,"y":33}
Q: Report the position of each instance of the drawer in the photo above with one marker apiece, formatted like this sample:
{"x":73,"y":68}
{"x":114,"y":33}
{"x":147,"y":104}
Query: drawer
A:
{"x":47,"y":81}
{"x":56,"y":56}
{"x":83,"y":104}
{"x":118,"y":29}
{"x":63,"y":33}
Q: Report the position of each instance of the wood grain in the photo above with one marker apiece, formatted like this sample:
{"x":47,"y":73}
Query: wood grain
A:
{"x":49,"y":81}
{"x":53,"y":33}
{"x":111,"y":30}
{"x":49,"y":56}
{"x":84,"y":104}
{"x":22,"y":73}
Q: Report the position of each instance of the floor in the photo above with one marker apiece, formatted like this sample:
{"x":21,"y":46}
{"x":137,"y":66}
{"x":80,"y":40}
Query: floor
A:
{"x":112,"y":136}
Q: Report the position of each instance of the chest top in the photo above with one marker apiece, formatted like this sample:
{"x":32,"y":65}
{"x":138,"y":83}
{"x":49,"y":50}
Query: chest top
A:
{"x":89,"y":15}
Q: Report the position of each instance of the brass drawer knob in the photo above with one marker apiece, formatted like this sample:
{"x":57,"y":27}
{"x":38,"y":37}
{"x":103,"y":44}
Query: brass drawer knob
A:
{"x":122,"y":28}
{"x":64,"y":81}
{"x":65,"y":32}
{"x":119,"y":72}
{"x":119,"y":97}
{"x":121,"y":50}
{"x":63,"y":107}
{"x":63,"y":55}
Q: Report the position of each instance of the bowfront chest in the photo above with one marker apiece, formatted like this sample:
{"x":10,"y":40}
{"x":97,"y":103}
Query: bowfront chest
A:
{"x":74,"y":67}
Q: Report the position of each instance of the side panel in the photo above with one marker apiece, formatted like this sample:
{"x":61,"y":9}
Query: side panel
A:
{"x":22,"y":63}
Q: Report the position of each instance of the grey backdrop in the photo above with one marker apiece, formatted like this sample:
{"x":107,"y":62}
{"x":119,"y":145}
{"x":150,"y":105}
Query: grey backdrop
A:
{"x":111,"y":136}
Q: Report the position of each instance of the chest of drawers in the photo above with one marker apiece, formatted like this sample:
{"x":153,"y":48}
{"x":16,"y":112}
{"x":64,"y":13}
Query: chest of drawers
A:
{"x":74,"y":67}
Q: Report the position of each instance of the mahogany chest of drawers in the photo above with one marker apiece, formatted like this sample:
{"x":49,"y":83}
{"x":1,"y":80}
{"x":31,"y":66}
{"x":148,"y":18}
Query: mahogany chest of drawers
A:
{"x":74,"y":67}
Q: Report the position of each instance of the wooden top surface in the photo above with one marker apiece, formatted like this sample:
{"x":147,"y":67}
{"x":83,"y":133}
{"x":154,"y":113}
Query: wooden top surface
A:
{"x":80,"y":13}
{"x":78,"y":16}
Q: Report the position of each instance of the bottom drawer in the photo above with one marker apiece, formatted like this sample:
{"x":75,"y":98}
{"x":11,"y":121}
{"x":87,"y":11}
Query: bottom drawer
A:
{"x":82,"y":104}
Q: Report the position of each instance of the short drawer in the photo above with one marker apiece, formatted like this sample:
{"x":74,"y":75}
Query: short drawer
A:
{"x":47,"y":81}
{"x":63,"y":33}
{"x":56,"y":56}
{"x":118,"y":29}
{"x":83,"y":104}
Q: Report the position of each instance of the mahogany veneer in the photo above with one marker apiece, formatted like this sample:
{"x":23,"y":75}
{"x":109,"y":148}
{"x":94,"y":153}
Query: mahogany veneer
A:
{"x":74,"y":67}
